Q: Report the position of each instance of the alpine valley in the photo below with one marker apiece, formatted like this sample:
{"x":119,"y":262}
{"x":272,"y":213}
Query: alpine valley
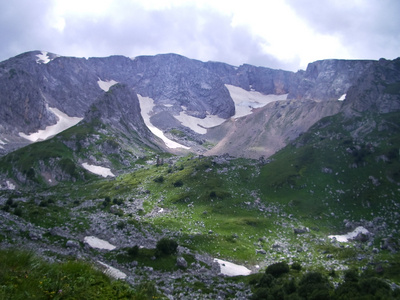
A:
{"x":172,"y":178}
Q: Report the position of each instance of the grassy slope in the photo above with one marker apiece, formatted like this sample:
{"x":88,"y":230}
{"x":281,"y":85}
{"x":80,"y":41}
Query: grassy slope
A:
{"x":24,"y":276}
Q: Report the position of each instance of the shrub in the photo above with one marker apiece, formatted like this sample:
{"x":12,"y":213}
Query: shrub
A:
{"x":266,"y":281}
{"x":18,"y":212}
{"x":277,"y":269}
{"x":314,"y":285}
{"x":133,"y":251}
{"x":118,"y":201}
{"x":178,"y":183}
{"x":9,"y":201}
{"x":43,"y":203}
{"x":121,"y":225}
{"x":159,"y":179}
{"x":166,"y":246}
{"x":296,"y":266}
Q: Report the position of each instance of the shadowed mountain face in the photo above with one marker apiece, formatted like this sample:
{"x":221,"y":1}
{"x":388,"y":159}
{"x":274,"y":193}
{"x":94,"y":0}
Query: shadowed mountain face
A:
{"x":186,"y":93}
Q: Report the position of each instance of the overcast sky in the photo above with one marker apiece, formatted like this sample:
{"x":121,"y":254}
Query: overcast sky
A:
{"x":285,"y":34}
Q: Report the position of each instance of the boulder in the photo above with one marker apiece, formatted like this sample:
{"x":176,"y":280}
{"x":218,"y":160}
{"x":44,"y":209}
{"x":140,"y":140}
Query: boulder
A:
{"x":301,"y":230}
{"x":72,"y":244}
{"x":181,"y":262}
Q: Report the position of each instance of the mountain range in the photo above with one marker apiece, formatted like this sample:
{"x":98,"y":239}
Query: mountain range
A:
{"x":204,"y":107}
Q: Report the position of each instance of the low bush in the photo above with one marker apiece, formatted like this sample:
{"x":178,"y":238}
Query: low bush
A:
{"x":277,"y":269}
{"x":166,"y":246}
{"x":178,"y":183}
{"x":133,"y":251}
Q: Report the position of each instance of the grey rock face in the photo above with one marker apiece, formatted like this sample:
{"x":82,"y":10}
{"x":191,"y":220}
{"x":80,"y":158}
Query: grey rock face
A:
{"x":248,"y":77}
{"x":377,"y":89}
{"x":181,"y":262}
{"x":328,"y":79}
{"x":72,"y":244}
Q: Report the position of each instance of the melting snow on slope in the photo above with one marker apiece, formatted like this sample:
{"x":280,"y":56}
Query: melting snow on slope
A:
{"x":43,"y":58}
{"x":349,"y":236}
{"x":102,"y":171}
{"x":342,"y":98}
{"x":2,"y":143}
{"x":10,"y":185}
{"x":113,"y":272}
{"x":231,"y":269}
{"x":196,"y":124}
{"x":245,"y":101}
{"x":64,"y":122}
{"x":146,"y":107}
{"x":105,"y":85}
{"x":95,"y":242}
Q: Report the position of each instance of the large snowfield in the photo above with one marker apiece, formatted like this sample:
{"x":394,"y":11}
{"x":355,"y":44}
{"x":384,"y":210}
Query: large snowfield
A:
{"x":246,"y":101}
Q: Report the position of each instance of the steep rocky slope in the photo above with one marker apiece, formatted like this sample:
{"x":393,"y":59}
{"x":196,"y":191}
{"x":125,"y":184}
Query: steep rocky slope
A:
{"x":270,"y":128}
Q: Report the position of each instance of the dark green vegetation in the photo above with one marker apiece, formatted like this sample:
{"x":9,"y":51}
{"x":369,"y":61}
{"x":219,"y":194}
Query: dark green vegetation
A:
{"x":282,"y":284}
{"x":341,"y":174}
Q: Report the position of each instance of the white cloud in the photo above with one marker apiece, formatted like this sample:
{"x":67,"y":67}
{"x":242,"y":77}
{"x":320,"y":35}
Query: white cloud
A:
{"x":285,"y":34}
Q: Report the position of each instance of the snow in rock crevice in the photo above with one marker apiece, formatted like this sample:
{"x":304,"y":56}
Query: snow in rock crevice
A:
{"x":64,"y":122}
{"x":146,"y":107}
{"x":105,"y":85}
{"x":43,"y":58}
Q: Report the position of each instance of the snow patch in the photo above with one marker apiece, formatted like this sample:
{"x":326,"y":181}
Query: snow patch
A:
{"x":245,"y":101}
{"x":146,"y":107}
{"x":105,"y":85}
{"x":349,"y":236}
{"x":342,"y":98}
{"x":113,"y":272}
{"x":10,"y":185}
{"x":43,"y":58}
{"x":102,"y":171}
{"x":2,"y":143}
{"x":231,"y":269}
{"x":64,"y":122}
{"x":95,"y":242}
{"x":199,"y":125}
